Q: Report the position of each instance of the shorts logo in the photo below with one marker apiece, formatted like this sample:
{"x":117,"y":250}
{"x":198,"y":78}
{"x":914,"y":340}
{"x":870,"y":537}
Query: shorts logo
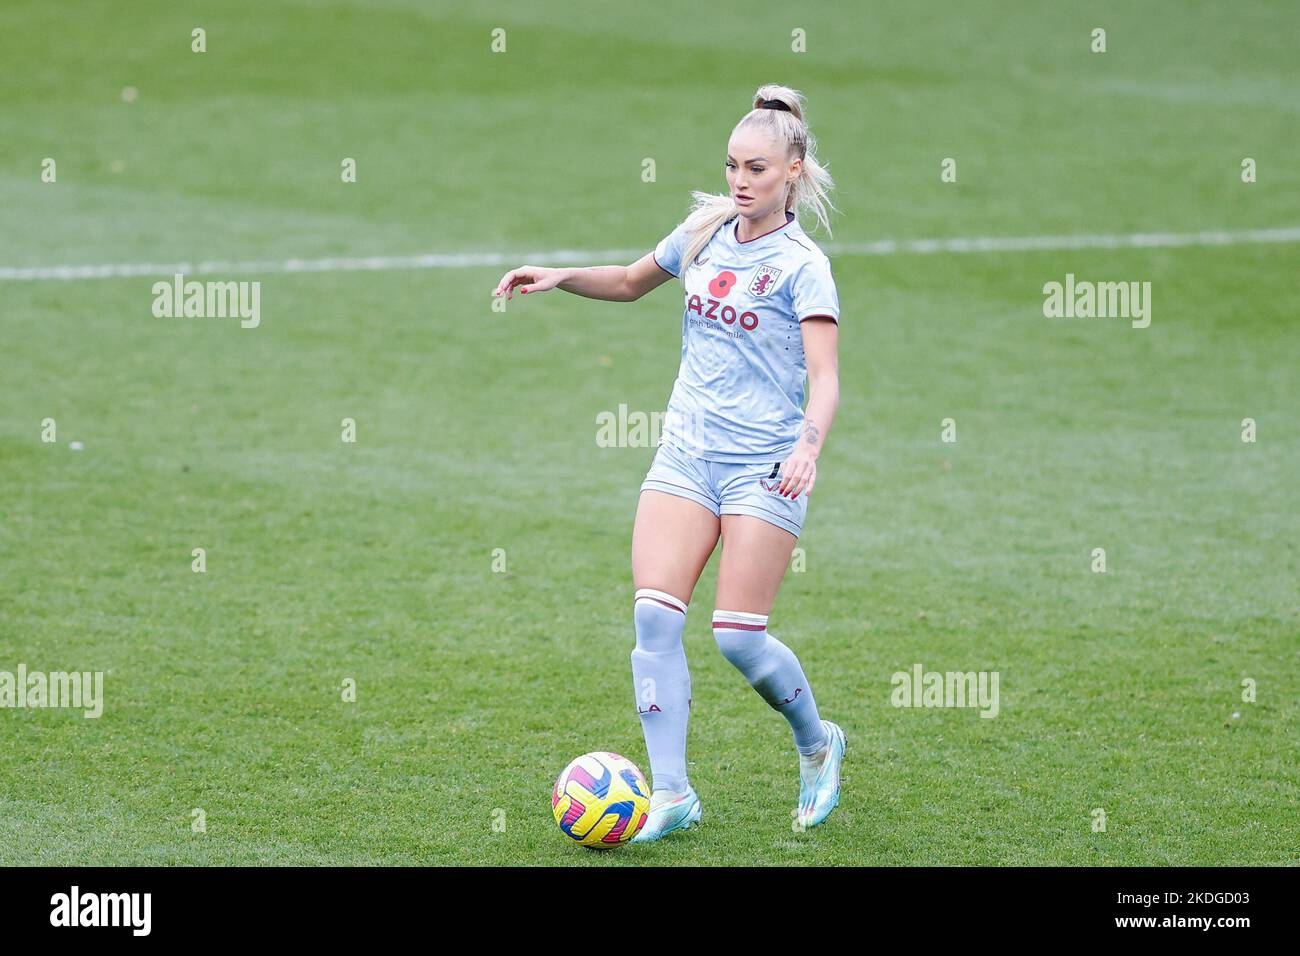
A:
{"x":772,"y":481}
{"x":764,"y":280}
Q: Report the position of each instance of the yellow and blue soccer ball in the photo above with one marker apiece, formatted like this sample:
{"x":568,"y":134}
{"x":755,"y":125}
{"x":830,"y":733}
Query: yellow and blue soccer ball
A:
{"x":600,"y":800}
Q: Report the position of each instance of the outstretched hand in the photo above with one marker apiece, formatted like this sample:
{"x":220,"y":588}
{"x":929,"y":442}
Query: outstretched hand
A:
{"x":528,"y":279}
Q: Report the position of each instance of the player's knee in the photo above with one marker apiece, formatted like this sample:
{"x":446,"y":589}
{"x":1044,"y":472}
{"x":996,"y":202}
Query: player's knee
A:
{"x":660,"y":619}
{"x":741,"y":648}
{"x":740,"y":636}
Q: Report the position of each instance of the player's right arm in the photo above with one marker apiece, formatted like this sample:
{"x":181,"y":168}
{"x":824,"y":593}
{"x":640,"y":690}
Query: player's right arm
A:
{"x":611,"y":283}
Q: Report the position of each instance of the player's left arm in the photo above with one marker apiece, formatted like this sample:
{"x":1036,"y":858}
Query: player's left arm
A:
{"x":821,"y":353}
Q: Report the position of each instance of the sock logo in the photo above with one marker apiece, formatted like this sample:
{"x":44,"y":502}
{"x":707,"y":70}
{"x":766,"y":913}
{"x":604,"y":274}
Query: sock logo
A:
{"x":797,"y":692}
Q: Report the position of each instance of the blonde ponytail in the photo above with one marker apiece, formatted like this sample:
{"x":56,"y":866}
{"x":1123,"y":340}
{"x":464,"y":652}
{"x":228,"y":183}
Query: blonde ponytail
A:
{"x":810,"y":193}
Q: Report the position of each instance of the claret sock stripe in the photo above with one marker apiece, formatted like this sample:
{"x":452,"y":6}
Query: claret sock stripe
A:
{"x":739,"y":621}
{"x":659,"y":597}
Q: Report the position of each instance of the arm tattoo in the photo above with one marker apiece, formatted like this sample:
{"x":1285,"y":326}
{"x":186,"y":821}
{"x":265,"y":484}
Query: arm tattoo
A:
{"x":811,"y":434}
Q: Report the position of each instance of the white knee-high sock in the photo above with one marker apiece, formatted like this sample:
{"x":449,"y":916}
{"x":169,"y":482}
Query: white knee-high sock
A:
{"x":662,"y":684}
{"x":771,"y":669}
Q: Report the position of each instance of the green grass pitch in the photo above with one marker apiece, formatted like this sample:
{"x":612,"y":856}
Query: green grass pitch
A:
{"x":373,"y":561}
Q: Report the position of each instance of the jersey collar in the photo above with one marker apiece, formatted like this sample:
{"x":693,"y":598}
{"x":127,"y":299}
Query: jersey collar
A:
{"x":735,"y":238}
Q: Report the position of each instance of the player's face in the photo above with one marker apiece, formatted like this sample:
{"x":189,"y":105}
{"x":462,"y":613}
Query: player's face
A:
{"x":759,"y":169}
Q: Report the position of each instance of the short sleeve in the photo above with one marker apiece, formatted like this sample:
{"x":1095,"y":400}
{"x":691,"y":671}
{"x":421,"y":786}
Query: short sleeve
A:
{"x":668,"y":254}
{"x":814,"y":291}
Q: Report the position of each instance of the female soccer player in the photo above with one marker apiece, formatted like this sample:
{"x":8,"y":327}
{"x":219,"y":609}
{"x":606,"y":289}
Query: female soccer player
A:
{"x":738,"y":452}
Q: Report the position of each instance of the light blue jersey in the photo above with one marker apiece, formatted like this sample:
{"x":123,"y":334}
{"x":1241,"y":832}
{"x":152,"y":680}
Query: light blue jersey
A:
{"x":740,"y":389}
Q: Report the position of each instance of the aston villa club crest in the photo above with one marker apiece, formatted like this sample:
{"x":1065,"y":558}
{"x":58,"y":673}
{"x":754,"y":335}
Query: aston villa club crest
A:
{"x":764,"y":280}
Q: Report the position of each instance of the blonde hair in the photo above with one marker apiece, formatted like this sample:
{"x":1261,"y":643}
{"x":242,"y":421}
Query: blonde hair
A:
{"x":810,"y":192}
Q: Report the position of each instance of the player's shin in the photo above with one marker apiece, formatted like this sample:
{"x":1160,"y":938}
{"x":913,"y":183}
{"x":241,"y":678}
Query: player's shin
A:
{"x":662,"y":685}
{"x":773,"y":670}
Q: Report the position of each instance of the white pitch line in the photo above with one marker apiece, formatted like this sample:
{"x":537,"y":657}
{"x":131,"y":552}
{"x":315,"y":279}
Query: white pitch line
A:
{"x":1137,"y":240}
{"x":437,"y":260}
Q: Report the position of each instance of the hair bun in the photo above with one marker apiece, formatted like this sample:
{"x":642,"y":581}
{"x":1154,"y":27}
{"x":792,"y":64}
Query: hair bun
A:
{"x":774,"y":96}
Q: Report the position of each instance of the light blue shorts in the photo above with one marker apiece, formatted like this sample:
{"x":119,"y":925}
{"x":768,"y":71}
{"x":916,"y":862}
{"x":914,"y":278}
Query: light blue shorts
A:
{"x":725,"y":488}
